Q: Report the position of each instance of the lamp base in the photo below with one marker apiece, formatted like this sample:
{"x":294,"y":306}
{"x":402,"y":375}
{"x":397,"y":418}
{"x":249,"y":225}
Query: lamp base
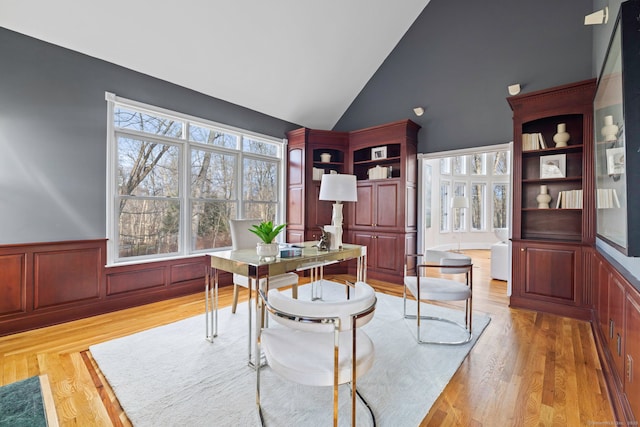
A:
{"x":336,"y":236}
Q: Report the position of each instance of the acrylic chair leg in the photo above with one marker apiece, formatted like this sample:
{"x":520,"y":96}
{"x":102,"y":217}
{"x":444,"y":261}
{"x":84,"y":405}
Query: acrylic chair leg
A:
{"x":234,"y":304}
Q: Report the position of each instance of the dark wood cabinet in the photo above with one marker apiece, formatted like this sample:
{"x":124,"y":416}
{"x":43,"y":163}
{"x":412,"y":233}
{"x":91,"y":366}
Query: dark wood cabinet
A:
{"x":632,"y":353}
{"x":384,"y":160}
{"x":548,"y":275}
{"x":309,"y":153}
{"x":616,"y":326}
{"x":602,"y":301}
{"x":616,"y":331}
{"x":384,"y":253}
{"x":548,"y":239}
{"x":379,"y":206}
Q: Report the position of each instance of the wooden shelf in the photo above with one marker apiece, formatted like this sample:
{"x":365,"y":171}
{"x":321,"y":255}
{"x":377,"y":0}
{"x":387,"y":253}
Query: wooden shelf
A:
{"x":547,"y":267}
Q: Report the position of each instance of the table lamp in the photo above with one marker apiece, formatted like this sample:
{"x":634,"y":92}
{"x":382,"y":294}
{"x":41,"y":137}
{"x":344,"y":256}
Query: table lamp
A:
{"x":339,"y":188}
{"x":459,"y":202}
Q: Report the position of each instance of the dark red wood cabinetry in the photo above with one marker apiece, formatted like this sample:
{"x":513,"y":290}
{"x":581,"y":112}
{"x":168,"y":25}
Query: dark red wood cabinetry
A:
{"x":305,"y":212}
{"x":384,"y":160}
{"x":385,"y":215}
{"x":616,"y":325}
{"x":548,"y":241}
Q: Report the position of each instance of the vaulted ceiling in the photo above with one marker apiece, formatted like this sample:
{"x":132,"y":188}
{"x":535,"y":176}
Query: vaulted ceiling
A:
{"x":300,"y":61}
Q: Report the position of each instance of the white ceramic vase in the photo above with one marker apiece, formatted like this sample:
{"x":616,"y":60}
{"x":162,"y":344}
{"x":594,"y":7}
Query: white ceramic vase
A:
{"x":325,"y":157}
{"x":562,"y":136}
{"x":267,"y":251}
{"x":543,"y":198}
{"x":609,"y":131}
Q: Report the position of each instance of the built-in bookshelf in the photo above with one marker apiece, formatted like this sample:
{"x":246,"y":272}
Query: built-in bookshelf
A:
{"x":378,"y":162}
{"x":553,"y":198}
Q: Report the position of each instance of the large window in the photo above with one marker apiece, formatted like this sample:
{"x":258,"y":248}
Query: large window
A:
{"x":472,"y":176}
{"x":175,"y":181}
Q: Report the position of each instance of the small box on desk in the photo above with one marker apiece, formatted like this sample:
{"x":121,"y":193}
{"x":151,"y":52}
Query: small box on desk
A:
{"x":290,"y":252}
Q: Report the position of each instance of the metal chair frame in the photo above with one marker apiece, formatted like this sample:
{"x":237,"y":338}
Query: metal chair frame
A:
{"x":265,"y":306}
{"x":467,"y":270}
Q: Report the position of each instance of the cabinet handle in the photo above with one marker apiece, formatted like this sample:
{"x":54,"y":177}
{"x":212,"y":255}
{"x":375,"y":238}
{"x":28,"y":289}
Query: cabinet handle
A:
{"x":619,"y":344}
{"x":629,"y":368}
{"x":611,"y":329}
{"x":521,"y":249}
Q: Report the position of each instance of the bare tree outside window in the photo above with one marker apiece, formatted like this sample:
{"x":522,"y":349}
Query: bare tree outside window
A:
{"x":444,"y":205}
{"x":501,"y":163}
{"x":149,"y":205}
{"x":459,"y":215}
{"x":148,"y":185}
{"x":478,"y":210}
{"x":500,"y":205}
{"x":478,"y":164}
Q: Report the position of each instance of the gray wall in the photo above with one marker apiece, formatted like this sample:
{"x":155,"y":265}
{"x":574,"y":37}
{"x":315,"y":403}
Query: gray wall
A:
{"x":458,"y":59}
{"x":53,"y":118}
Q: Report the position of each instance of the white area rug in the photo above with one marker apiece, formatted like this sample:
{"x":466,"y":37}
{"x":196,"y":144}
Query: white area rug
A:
{"x":172,"y":376}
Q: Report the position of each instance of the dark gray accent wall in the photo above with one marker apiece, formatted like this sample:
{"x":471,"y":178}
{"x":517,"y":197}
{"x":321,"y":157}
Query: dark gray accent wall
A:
{"x":53,"y":124}
{"x":457,"y":60}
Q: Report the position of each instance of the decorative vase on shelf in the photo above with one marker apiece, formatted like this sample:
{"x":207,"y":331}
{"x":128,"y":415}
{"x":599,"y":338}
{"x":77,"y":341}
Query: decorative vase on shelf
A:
{"x":325,"y":157}
{"x":562,"y":136}
{"x":543,"y":198}
{"x":609,"y":130}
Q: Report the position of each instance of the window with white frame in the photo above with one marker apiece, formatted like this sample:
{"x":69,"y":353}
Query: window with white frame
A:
{"x":444,"y":205}
{"x":174,"y":181}
{"x":478,"y":204}
{"x":459,"y":222}
{"x":488,"y":170}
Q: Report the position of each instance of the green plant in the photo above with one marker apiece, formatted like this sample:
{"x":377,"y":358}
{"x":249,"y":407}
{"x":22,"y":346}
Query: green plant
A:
{"x":266,"y":231}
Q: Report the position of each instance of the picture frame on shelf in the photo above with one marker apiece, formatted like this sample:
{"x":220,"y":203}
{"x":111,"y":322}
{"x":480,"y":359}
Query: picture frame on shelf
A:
{"x":615,"y":161}
{"x":379,"y":153}
{"x":553,"y":166}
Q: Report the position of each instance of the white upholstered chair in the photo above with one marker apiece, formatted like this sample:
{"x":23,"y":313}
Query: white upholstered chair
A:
{"x":321,"y":343}
{"x":242,"y":238}
{"x":448,"y":267}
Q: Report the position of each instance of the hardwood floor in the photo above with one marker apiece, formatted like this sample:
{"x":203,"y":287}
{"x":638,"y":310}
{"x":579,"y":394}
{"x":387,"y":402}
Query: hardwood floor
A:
{"x":527,"y":369}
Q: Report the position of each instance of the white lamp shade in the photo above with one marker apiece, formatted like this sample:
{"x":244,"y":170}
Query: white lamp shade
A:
{"x":459,"y":202}
{"x":339,"y":188}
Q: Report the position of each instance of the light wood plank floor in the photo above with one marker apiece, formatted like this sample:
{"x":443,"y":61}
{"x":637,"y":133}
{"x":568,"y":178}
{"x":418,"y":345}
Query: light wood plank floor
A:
{"x":527,"y":369}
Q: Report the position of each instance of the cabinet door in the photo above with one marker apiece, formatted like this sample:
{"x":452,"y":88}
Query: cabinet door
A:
{"x":616,"y":326}
{"x":319,"y":211}
{"x":364,"y":208}
{"x":379,"y":206}
{"x":366,"y":239}
{"x":551,"y":272}
{"x":389,"y":211}
{"x":602,"y":304}
{"x":632,"y":374}
{"x":389,"y":250}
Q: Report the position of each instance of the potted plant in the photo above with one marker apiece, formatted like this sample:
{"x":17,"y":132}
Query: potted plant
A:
{"x":267,"y":231}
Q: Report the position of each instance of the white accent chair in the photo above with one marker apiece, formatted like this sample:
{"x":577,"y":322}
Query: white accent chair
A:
{"x":435,"y":280}
{"x":500,"y":261}
{"x":321,"y":343}
{"x":242,"y":238}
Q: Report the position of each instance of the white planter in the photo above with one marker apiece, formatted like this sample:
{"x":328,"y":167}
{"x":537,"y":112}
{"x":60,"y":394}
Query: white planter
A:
{"x":267,"y":251}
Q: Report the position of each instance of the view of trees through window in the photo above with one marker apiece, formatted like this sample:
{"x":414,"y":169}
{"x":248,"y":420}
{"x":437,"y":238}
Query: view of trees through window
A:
{"x":178,"y":182}
{"x":483,"y":179}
